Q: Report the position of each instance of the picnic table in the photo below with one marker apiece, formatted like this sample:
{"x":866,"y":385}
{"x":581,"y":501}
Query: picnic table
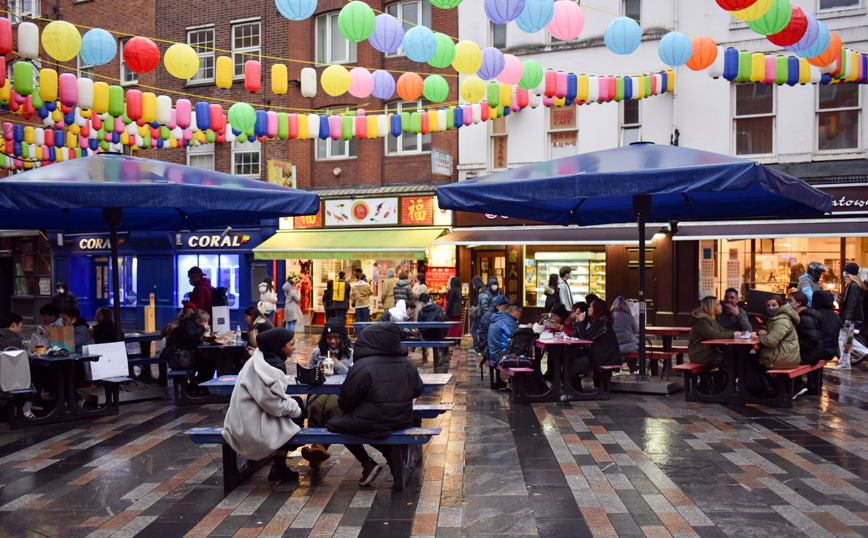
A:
{"x":561,"y":386}
{"x":359,"y":325}
{"x":224,"y":385}
{"x":439,"y":348}
{"x":666,"y":334}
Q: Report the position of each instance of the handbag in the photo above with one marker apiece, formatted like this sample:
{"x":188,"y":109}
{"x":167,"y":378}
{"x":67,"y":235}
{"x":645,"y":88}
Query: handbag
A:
{"x":179,"y":359}
{"x":309,"y":377}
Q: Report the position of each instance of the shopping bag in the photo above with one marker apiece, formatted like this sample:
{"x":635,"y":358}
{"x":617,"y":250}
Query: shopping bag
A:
{"x":220,"y":323}
{"x":14,"y":370}
{"x":112,"y":361}
{"x":63,"y":337}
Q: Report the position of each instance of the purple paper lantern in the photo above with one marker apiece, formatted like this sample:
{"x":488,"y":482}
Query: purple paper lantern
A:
{"x":503,"y":11}
{"x":810,"y":37}
{"x":388,"y":34}
{"x":384,"y":85}
{"x":492,"y":63}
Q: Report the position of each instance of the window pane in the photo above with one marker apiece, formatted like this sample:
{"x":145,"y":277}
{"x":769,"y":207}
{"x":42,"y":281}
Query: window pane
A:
{"x":338,"y":42}
{"x":631,"y":112}
{"x":410,"y":15}
{"x":426,"y":142}
{"x":838,"y":130}
{"x":844,"y":95}
{"x":753,"y":136}
{"x":338,"y":148}
{"x":631,"y":135}
{"x":352,"y":51}
{"x":409,"y":142}
{"x":393,"y":10}
{"x":321,"y":149}
{"x":563,"y":144}
{"x":321,"y":37}
{"x":391,"y":144}
{"x":834,"y":4}
{"x":632,"y":9}
{"x":426,"y":13}
{"x":499,"y":36}
{"x":753,"y":98}
{"x":353,"y":147}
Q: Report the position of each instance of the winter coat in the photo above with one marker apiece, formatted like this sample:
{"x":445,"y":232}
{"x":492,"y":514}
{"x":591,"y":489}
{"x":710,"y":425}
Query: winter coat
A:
{"x":327,"y":303}
{"x":397,"y":313}
{"x":851,"y":306}
{"x":342,"y":365}
{"x":10,"y":338}
{"x":82,"y":334}
{"x":565,"y":294}
{"x":186,"y":336}
{"x":403,"y":292}
{"x":258,"y":420}
{"x":810,"y":331}
{"x":627,"y":332}
{"x":485,"y":324}
{"x":291,"y":308}
{"x":453,"y":298}
{"x":832,"y":324}
{"x":604,"y":350}
{"x":105,"y":332}
{"x":477,"y":286}
{"x":552,"y":299}
{"x":345,"y":304}
{"x":501,"y":328}
{"x":376,"y":399}
{"x":268,"y":299}
{"x":361,"y":294}
{"x":702,"y":329}
{"x":65,"y":300}
{"x":780,"y":347}
{"x":808,"y":286}
{"x":389,"y":292}
{"x":734,"y":323}
{"x":432,"y":312}
{"x":259,"y":326}
{"x":488,"y":294}
{"x":203,"y":296}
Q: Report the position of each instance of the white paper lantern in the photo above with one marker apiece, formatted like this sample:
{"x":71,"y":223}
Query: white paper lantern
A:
{"x":382,"y":126}
{"x":85,"y":93}
{"x":28,"y":41}
{"x":308,"y":85}
{"x":477,"y":112}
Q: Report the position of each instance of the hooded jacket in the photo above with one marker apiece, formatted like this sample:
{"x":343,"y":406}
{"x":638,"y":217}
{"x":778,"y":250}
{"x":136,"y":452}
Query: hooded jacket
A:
{"x":203,"y":296}
{"x":258,"y":420}
{"x":9,"y":338}
{"x":626,"y":330}
{"x":488,"y":294}
{"x":64,"y":300}
{"x":701,"y":329}
{"x":780,"y":347}
{"x":396,"y":313}
{"x":388,"y":290}
{"x":361,"y":294}
{"x":808,"y":285}
{"x":832,"y":324}
{"x":501,"y":328}
{"x":453,"y":298}
{"x":186,"y":336}
{"x":291,"y":308}
{"x":403,"y":292}
{"x":810,"y":331}
{"x":432,"y":312}
{"x":376,"y":398}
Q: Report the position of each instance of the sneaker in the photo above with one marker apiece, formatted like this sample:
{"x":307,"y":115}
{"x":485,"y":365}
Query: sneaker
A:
{"x":370,"y":470}
{"x":841,"y":366}
{"x":802,"y":391}
{"x":29,"y":414}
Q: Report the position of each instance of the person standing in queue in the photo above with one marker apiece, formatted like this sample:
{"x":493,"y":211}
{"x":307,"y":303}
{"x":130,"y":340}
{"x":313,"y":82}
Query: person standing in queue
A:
{"x":361,"y":298}
{"x":64,"y":298}
{"x":327,"y":303}
{"x":388,"y":291}
{"x":454,"y":306}
{"x":202,"y":295}
{"x":852,"y":309}
{"x":341,"y":297}
{"x":291,"y":308}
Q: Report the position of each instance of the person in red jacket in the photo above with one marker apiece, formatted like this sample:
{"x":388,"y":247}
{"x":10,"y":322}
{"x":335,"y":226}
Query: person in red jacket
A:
{"x":202,"y":294}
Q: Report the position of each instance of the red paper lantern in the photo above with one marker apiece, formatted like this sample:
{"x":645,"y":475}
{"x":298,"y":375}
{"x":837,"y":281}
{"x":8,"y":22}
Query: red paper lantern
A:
{"x":410,"y":86}
{"x":134,"y":104}
{"x":794,"y":31}
{"x":5,"y":36}
{"x":734,"y":5}
{"x":252,"y":76}
{"x":141,"y":55}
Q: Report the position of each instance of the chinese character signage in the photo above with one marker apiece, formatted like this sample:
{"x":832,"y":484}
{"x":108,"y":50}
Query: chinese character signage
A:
{"x":500,"y":152}
{"x":417,"y":210}
{"x":366,"y":212}
{"x":563,"y":144}
{"x":562,"y":117}
{"x":281,"y":173}
{"x":308,"y":221}
{"x":437,"y":278}
{"x":513,"y":272}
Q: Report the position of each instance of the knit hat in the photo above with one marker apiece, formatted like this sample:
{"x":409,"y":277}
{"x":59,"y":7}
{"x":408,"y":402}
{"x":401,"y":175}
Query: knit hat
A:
{"x":851,"y":269}
{"x":560,"y":311}
{"x":500,"y":300}
{"x":335,"y":325}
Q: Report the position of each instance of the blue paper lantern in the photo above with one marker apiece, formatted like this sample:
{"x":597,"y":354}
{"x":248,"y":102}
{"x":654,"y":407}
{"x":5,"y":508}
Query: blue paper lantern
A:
{"x":730,"y":64}
{"x":792,"y":71}
{"x":493,"y":63}
{"x":420,"y":44}
{"x":43,"y":112}
{"x":18,"y":134}
{"x":572,"y":86}
{"x":260,"y":128}
{"x":395,"y":123}
{"x":675,"y":49}
{"x":503,"y":11}
{"x":98,"y":47}
{"x":296,"y":10}
{"x":824,"y":37}
{"x":203,"y":116}
{"x":59,"y":138}
{"x":628,"y":88}
{"x":623,"y":35}
{"x":458,"y":115}
{"x":536,"y":15}
{"x":93,"y":143}
{"x":324,"y":129}
{"x":384,"y":85}
{"x":388,"y":34}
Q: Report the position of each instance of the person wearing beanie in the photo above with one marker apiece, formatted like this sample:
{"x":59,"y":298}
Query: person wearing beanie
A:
{"x":852,"y":309}
{"x":335,"y":343}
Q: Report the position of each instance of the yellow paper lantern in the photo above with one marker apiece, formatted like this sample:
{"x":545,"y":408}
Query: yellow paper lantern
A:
{"x":6,"y":91}
{"x":279,"y":79}
{"x":181,"y":61}
{"x":144,"y":130}
{"x":29,"y":135}
{"x":505,"y":95}
{"x":61,"y":40}
{"x":74,"y":130}
{"x":149,"y":107}
{"x":57,"y":115}
{"x":335,"y":80}
{"x":48,"y":85}
{"x":758,"y":67}
{"x":472,"y":89}
{"x":71,"y":139}
{"x":100,"y":97}
{"x":302,"y":127}
{"x":468,"y":58}
{"x":223,"y":72}
{"x":752,"y":13}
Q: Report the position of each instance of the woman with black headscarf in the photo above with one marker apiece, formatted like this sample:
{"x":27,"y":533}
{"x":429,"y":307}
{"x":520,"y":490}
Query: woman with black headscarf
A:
{"x":259,"y":419}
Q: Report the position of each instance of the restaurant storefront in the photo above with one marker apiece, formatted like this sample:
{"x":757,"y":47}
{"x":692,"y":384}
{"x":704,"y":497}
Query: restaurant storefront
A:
{"x":26,"y":266}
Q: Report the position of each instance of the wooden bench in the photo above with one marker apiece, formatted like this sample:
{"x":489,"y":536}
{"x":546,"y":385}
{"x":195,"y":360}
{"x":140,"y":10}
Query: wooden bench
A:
{"x":142,"y":362}
{"x":680,"y":351}
{"x":180,"y":386}
{"x":602,"y":377}
{"x":403,"y":461}
{"x":785,"y":381}
{"x":651,"y":355}
{"x":691,"y":371}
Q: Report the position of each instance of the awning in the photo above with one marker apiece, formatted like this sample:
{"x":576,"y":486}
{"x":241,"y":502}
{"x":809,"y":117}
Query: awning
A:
{"x":353,"y":244}
{"x":694,"y":231}
{"x":546,"y":235}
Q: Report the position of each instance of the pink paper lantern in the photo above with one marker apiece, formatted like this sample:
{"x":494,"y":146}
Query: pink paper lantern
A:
{"x":468,"y":115}
{"x":568,"y":22}
{"x":512,"y":70}
{"x":548,"y":101}
{"x":67,"y":86}
{"x":271,"y":127}
{"x":335,"y":127}
{"x":183,"y":111}
{"x":563,"y":85}
{"x":603,"y":84}
{"x":361,"y":82}
{"x":770,"y":70}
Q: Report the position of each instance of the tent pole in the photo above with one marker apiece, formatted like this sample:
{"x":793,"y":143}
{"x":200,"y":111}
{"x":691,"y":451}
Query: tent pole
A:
{"x":114,"y":217}
{"x":642,"y":208}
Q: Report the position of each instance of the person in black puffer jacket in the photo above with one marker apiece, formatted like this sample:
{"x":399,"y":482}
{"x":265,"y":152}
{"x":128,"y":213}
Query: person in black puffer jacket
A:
{"x":810,"y":331}
{"x":403,"y":291}
{"x":377,"y":397}
{"x":454,"y":306}
{"x":603,"y":351}
{"x":832,"y":324}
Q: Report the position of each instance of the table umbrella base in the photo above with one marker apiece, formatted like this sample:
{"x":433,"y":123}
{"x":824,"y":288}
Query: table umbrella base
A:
{"x":664,"y":387}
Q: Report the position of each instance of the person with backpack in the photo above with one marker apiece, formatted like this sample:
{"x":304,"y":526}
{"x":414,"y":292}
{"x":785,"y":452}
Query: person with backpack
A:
{"x":203,"y":292}
{"x":341,"y":297}
{"x":430,"y":312}
{"x":403,"y":291}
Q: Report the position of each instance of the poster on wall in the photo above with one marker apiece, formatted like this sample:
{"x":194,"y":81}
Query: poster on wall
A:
{"x":365,"y":212}
{"x":281,"y":173}
{"x":417,"y":210}
{"x":437,"y":278}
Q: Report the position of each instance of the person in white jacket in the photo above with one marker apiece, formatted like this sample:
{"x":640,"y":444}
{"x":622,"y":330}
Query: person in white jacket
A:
{"x":259,"y":420}
{"x":267,"y":297}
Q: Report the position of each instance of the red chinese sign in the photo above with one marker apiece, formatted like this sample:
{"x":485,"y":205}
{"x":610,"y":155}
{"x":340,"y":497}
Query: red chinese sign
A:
{"x":308,"y":221}
{"x":500,"y":152}
{"x":438,"y":277}
{"x":417,"y":210}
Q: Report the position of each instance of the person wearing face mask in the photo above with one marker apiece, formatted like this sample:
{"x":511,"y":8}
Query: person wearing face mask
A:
{"x":780,"y":347}
{"x":64,"y":298}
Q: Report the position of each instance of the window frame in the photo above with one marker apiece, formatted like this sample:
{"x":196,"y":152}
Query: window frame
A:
{"x":420,"y":140}
{"x":351,"y":48}
{"x":246,"y":52}
{"x":630,"y":126}
{"x":204,"y":55}
{"x":348,"y":144}
{"x":735,"y":117}
{"x":202,"y":150}
{"x":14,"y":6}
{"x":84,"y":70}
{"x":820,"y":9}
{"x":123,"y":65}
{"x":420,"y":19}
{"x":624,"y":10}
{"x":493,"y":29}
{"x":818,"y":111}
{"x":255,"y":147}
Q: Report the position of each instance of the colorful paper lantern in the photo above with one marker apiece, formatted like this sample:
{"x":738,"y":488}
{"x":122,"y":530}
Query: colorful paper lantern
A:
{"x":410,"y":86}
{"x":388,"y":34}
{"x":361,"y":82}
{"x":149,"y":106}
{"x":384,"y":84}
{"x":242,"y":116}
{"x":296,"y":10}
{"x":568,"y":21}
{"x":335,"y":80}
{"x":279,"y":79}
{"x":468,"y":58}
{"x":116,"y":101}
{"x":623,"y":35}
{"x":824,"y":37}
{"x":48,"y":85}
{"x":532,"y":75}
{"x":503,"y":11}
{"x":181,"y":61}
{"x":357,"y":21}
{"x":472,"y":89}
{"x":832,"y":52}
{"x":308,"y":82}
{"x":28,"y":40}
{"x":5,"y":36}
{"x":445,"y":4}
{"x":794,"y":31}
{"x":512,"y":70}
{"x":754,"y":11}
{"x":775,"y":19}
{"x":98,"y":47}
{"x":733,"y":5}
{"x":61,"y":40}
{"x":252,"y":76}
{"x":224,"y":72}
{"x":134,"y":103}
{"x":536,"y":15}
{"x":23,"y":77}
{"x":812,"y":32}
{"x":445,"y":52}
{"x":419,"y":44}
{"x":492,"y":94}
{"x":141,"y":55}
{"x":704,"y":53}
{"x":164,"y":109}
{"x":675,"y":49}
{"x":492,"y":63}
{"x":435,"y":88}
{"x":85,"y":94}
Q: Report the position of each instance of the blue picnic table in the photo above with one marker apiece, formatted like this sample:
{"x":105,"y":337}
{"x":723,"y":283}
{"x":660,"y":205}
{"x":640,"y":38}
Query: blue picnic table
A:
{"x":225,"y":384}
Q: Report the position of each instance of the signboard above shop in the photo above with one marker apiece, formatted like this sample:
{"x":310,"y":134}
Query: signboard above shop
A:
{"x":467,"y":219}
{"x":441,"y":163}
{"x":361,"y":212}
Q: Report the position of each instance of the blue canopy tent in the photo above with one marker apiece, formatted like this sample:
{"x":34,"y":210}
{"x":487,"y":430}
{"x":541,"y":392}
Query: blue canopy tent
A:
{"x":639,"y":182}
{"x":128,"y":193}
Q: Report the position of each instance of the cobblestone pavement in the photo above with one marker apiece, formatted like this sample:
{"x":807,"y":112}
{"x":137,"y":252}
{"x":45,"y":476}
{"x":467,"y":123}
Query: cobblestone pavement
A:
{"x":631,"y":466}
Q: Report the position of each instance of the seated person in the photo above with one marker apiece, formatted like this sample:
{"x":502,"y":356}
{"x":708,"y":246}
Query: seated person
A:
{"x":733,"y":317}
{"x":186,"y":311}
{"x":11,"y":326}
{"x":335,"y":343}
{"x":105,"y":330}
{"x":430,"y":312}
{"x":259,"y":420}
{"x":71,"y":317}
{"x":256,"y":324}
{"x":810,"y":331}
{"x":503,"y":324}
{"x":704,"y":326}
{"x":182,"y":343}
{"x":626,"y":330}
{"x":50,"y":318}
{"x":498,"y":304}
{"x":780,"y":347}
{"x":554,"y":321}
{"x":832,"y":324}
{"x":596,"y":326}
{"x":402,"y":311}
{"x":376,"y":399}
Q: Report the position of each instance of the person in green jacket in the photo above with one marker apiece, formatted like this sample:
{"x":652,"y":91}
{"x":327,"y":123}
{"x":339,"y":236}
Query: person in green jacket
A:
{"x":780,"y":342}
{"x":704,"y":326}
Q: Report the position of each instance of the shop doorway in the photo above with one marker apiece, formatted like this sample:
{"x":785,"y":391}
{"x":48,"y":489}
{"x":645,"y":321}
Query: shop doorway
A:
{"x":489,"y":263}
{"x":101,"y":286}
{"x":81,"y":283}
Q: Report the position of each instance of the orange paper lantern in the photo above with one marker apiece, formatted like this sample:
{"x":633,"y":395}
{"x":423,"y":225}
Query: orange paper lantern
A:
{"x":704,"y":53}
{"x":410,"y":86}
{"x":832,"y":52}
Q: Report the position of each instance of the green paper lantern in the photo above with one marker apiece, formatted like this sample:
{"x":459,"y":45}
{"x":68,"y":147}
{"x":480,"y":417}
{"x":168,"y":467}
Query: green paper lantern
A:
{"x":36,"y":99}
{"x":124,"y":118}
{"x":23,"y":78}
{"x":416,"y":122}
{"x":116,"y":101}
{"x":436,"y":89}
{"x":210,"y":137}
{"x":531,"y":76}
{"x":242,"y":138}
{"x":445,"y":4}
{"x":165,"y":132}
{"x":104,"y":145}
{"x":445,"y":51}
{"x":619,"y":89}
{"x":100,"y":135}
{"x":775,"y":20}
{"x":493,"y":95}
{"x":450,"y":118}
{"x":745,"y":63}
{"x":242,"y":117}
{"x":356,"y":21}
{"x":405,"y":122}
{"x":347,"y":127}
{"x":146,"y":141}
{"x":782,"y":70}
{"x":282,"y":125}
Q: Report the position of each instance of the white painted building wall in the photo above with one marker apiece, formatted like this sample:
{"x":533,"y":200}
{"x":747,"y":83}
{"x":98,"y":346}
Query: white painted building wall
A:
{"x":701,"y":108}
